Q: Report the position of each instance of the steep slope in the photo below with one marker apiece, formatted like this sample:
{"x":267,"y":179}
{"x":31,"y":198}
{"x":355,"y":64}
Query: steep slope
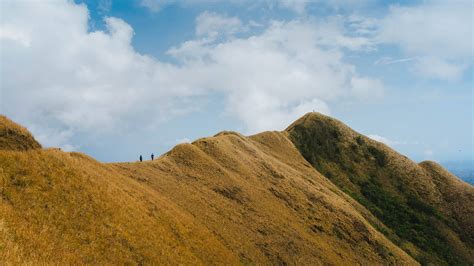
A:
{"x":15,"y":137}
{"x":227,"y":199}
{"x":262,"y":199}
{"x":457,"y":198}
{"x":428,"y":212}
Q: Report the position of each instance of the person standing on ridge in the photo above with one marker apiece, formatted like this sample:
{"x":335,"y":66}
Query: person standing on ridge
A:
{"x":152,"y":156}
{"x":141,"y":158}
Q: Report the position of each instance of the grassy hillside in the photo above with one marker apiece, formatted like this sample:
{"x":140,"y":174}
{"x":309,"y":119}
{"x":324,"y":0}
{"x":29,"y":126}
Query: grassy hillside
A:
{"x":227,"y":200}
{"x":265,"y":202}
{"x":15,"y":137}
{"x":428,"y":211}
{"x":317,"y":193}
{"x":67,"y":208}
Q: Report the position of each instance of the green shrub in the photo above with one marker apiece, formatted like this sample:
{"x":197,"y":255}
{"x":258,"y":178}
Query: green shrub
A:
{"x":413,"y":220}
{"x":378,"y":155}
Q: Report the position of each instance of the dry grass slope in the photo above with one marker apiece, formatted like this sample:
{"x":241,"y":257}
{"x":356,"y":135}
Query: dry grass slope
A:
{"x":227,"y":200}
{"x":428,"y":211}
{"x":66,"y":208}
{"x":15,"y":137}
{"x":265,"y":202}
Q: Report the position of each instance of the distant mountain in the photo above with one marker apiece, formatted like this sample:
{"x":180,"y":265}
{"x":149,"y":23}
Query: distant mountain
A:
{"x":316,"y":193}
{"x":462,"y":169}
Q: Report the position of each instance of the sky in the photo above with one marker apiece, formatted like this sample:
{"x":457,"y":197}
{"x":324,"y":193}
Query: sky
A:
{"x":117,"y":79}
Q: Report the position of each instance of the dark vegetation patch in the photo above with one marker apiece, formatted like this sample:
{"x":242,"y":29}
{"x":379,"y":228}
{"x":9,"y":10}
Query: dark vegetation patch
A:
{"x":339,"y":233}
{"x":316,"y":228}
{"x":314,"y":199}
{"x":11,"y":141}
{"x":20,"y":182}
{"x":15,"y":137}
{"x":232,"y":193}
{"x":272,"y":256}
{"x":273,"y":173}
{"x":286,"y":198}
{"x":412,"y":220}
{"x":381,"y":250}
{"x":356,"y":168}
{"x":378,"y":155}
{"x":244,"y":260}
{"x":360,"y":227}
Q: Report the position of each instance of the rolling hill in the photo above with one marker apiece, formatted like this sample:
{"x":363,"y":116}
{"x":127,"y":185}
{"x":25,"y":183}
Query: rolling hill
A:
{"x":306,"y":195}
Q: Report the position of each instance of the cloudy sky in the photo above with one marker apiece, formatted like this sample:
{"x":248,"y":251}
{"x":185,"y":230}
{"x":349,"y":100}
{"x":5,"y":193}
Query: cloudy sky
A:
{"x":117,"y":79}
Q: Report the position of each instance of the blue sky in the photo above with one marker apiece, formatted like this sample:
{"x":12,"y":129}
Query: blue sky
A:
{"x":116,"y":79}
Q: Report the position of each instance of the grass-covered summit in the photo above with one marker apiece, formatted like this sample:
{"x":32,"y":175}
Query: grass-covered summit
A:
{"x":427,"y":211}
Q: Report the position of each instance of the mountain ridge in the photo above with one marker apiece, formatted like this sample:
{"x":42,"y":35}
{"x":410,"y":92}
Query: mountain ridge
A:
{"x":224,"y":199}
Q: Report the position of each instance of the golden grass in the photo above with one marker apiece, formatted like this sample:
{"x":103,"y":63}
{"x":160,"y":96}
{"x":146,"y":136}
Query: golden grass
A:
{"x":62,"y":208}
{"x":265,"y":202}
{"x":223,"y":200}
{"x":15,"y":137}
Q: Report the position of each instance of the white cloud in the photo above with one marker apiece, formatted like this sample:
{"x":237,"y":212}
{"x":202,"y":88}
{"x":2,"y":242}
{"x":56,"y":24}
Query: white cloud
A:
{"x":347,"y":4}
{"x":438,"y":33}
{"x":442,"y":69}
{"x":428,"y":154}
{"x":352,"y":33}
{"x":10,"y":33}
{"x":362,"y":26}
{"x":274,"y":77}
{"x":386,"y":60}
{"x":382,"y":139}
{"x":301,"y":6}
{"x":366,"y":88}
{"x":298,"y":6}
{"x":54,"y":137}
{"x":391,"y":142}
{"x":156,"y":5}
{"x":104,"y":6}
{"x":212,"y":24}
{"x":183,"y":140}
{"x":80,"y":81}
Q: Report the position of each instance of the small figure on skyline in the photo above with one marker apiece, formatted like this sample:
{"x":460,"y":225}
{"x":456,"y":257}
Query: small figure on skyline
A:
{"x":141,"y":158}
{"x":152,"y":156}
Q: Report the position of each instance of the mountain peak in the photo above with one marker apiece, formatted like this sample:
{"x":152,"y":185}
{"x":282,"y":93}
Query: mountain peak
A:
{"x":402,"y":194}
{"x":308,"y":118}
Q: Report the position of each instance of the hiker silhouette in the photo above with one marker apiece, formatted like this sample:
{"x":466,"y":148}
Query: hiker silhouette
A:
{"x":152,"y":156}
{"x":141,"y":158}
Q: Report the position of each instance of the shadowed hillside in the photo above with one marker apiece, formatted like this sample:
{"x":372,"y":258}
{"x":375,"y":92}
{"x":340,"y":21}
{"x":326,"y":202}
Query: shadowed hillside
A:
{"x":228,"y":199}
{"x":429,"y":212}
